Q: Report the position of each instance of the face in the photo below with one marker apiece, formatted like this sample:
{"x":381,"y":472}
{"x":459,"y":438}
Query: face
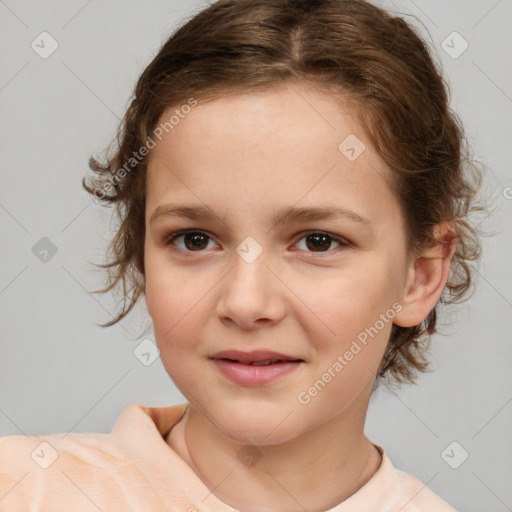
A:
{"x":322,"y":290}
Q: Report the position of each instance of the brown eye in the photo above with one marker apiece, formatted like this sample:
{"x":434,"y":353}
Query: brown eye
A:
{"x":321,"y":242}
{"x":194,"y":241}
{"x":318,"y":242}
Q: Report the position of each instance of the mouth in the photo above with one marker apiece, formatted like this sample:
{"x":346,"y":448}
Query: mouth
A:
{"x":261,"y":363}
{"x":255,"y":357}
{"x":255,"y":368}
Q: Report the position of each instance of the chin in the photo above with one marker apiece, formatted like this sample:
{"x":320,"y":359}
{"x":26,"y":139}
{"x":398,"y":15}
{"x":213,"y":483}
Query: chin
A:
{"x":265,"y":425}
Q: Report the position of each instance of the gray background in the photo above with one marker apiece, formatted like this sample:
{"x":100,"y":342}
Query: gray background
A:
{"x":59,"y":372}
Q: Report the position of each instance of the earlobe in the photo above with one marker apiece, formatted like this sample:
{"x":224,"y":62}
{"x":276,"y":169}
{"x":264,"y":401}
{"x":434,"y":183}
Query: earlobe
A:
{"x":427,"y":277}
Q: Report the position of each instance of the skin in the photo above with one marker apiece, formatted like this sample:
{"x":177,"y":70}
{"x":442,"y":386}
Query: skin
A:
{"x":245,"y":156}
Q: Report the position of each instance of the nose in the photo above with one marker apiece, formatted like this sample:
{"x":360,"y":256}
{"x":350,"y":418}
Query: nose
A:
{"x":252,"y":295}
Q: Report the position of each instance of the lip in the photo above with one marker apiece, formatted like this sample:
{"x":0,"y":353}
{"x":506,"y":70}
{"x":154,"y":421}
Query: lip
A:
{"x":254,"y":355}
{"x":235,"y":366}
{"x":248,"y":375}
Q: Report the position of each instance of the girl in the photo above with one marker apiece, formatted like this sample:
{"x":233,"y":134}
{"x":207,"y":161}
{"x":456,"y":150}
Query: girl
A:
{"x":294,"y":211}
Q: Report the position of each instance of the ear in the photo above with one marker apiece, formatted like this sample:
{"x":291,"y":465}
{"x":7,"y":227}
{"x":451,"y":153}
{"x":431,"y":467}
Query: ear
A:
{"x":426,"y":277}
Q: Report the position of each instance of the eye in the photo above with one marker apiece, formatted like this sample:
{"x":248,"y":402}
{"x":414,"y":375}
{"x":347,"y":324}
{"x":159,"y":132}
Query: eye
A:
{"x":317,"y":241}
{"x":196,"y":241}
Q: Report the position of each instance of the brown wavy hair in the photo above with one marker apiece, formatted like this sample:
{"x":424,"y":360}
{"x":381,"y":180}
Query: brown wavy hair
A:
{"x":349,"y":48}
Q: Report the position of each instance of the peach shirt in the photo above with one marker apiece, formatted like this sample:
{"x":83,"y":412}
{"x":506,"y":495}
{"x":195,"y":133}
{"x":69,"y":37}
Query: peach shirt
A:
{"x":132,"y":468}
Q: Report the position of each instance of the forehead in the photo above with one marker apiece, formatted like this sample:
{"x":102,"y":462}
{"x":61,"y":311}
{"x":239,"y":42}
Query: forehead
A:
{"x":269,"y":147}
{"x":259,"y":120}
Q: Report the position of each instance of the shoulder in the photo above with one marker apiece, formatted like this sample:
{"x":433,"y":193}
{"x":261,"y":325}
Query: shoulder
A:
{"x":65,"y":450}
{"x":79,"y":468}
{"x":397,"y":490}
{"x":417,"y":497}
{"x":48,"y":455}
{"x":18,"y":452}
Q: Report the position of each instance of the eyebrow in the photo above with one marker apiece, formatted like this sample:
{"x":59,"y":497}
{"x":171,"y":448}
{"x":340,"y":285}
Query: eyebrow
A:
{"x":287,"y":214}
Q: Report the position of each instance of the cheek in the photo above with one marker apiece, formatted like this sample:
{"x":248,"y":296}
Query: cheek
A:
{"x":347,"y":329}
{"x":177,"y":309}
{"x":347,"y":301}
{"x":166,"y":292}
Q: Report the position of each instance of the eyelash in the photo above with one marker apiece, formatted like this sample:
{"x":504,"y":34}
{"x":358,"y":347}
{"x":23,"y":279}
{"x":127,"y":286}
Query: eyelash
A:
{"x":173,"y":236}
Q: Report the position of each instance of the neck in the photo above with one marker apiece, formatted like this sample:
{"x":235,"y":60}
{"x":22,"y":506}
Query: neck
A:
{"x":315,"y":471}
